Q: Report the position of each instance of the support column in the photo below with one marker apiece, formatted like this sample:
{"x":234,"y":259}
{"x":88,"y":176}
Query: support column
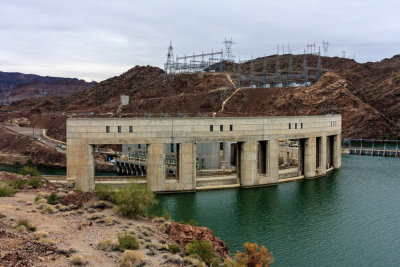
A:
{"x":155,"y":167}
{"x":337,"y":155}
{"x":273,"y":160}
{"x":187,"y":166}
{"x":80,"y":164}
{"x":322,"y":156}
{"x":227,"y":154}
{"x":248,"y":164}
{"x":309,"y":157}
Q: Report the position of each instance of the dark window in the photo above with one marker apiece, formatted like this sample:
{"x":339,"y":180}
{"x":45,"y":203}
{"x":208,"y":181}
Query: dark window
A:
{"x":290,"y":126}
{"x":295,"y":125}
{"x":301,"y":125}
{"x":231,"y":127}
{"x":130,"y":129}
{"x":172,"y":148}
{"x":119,"y":129}
{"x":139,"y":146}
{"x":211,"y":128}
{"x":221,"y":146}
{"x":221,"y":128}
{"x":107,"y":129}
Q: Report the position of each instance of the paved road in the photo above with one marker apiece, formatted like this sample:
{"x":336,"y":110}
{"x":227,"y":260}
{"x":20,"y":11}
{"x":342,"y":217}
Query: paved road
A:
{"x":38,"y":133}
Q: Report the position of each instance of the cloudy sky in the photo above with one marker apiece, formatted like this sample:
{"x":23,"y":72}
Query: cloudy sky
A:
{"x":96,"y":39}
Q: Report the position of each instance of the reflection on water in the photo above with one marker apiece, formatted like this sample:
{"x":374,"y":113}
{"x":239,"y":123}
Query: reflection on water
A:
{"x":350,"y":217}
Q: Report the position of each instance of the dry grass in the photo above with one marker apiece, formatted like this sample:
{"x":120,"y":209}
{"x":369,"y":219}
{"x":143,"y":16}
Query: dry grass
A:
{"x":129,"y":257}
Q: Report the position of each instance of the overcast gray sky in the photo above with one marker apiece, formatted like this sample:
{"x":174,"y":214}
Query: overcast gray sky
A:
{"x":95,"y":39}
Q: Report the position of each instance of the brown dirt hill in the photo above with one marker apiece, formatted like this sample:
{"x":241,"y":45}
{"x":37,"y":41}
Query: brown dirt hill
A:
{"x":369,"y":111}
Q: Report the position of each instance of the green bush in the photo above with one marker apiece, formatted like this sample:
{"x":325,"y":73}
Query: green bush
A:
{"x":6,"y":190}
{"x":127,"y":241}
{"x":27,"y":224}
{"x":106,"y":192}
{"x":134,"y":200}
{"x":192,"y":222}
{"x":34,"y":182}
{"x":33,"y":171}
{"x":52,"y":199}
{"x":17,"y":183}
{"x":202,"y":249}
{"x":29,"y":161}
{"x":174,"y":248}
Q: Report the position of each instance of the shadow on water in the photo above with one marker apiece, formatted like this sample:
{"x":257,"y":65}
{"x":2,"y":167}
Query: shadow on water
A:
{"x":349,"y":217}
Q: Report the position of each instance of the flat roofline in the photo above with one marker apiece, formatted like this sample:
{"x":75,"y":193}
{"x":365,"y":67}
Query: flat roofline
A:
{"x":202,"y":118}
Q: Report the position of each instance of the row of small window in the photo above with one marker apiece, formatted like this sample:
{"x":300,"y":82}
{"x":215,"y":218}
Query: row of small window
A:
{"x":333,"y":123}
{"x":295,"y":125}
{"x":221,"y":128}
{"x":119,"y":128}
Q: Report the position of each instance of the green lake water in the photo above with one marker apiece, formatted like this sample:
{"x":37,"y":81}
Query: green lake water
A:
{"x":350,"y":217}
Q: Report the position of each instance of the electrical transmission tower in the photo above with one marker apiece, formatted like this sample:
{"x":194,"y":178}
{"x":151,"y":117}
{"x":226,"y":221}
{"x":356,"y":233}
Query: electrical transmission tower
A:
{"x":228,"y":49}
{"x":6,"y":95}
{"x":343,"y":54}
{"x":170,"y":60}
{"x":325,"y":46}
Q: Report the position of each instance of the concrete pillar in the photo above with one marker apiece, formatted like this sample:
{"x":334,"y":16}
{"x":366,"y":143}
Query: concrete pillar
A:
{"x":155,"y":167}
{"x":248,"y":164}
{"x":273,"y":160}
{"x":322,"y":157}
{"x":309,"y":157}
{"x":337,"y":152}
{"x":187,"y":166}
{"x":80,"y":164}
{"x":227,"y":154}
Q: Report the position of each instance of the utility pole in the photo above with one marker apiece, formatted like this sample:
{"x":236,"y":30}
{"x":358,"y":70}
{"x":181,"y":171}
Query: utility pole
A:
{"x":325,"y":46}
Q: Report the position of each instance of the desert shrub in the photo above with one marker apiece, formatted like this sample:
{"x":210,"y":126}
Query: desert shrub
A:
{"x":192,"y":222}
{"x":17,"y":183}
{"x":29,"y":161}
{"x":41,"y":235}
{"x":20,"y":228}
{"x":27,"y":224}
{"x":202,"y":249}
{"x":134,"y":200}
{"x":34,"y":182}
{"x":174,"y":248}
{"x":131,"y":256}
{"x":33,"y":171}
{"x":78,"y":260}
{"x":253,"y":256}
{"x":106,"y":192}
{"x":107,"y":245}
{"x":127,"y":241}
{"x":6,"y":190}
{"x":52,"y":198}
{"x":166,"y":215}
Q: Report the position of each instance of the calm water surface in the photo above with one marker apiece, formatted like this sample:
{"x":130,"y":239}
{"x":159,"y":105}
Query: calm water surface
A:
{"x":349,"y":218}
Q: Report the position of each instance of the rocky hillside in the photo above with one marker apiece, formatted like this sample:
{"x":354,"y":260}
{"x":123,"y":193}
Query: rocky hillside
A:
{"x":367,"y":95}
{"x":25,"y":86}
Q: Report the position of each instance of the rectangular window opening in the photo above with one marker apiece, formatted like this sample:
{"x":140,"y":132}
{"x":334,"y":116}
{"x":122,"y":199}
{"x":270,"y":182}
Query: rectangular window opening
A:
{"x":301,"y":125}
{"x":107,"y":129}
{"x":211,"y":128}
{"x":295,"y":125}
{"x":221,"y":128}
{"x":290,"y":126}
{"x":130,"y":129}
{"x":119,"y":129}
{"x":231,"y":127}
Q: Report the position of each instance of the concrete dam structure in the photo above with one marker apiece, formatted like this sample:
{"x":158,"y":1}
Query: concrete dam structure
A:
{"x":252,"y":142}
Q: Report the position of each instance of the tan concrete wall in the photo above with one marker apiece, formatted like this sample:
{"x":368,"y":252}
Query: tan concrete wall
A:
{"x":83,"y":133}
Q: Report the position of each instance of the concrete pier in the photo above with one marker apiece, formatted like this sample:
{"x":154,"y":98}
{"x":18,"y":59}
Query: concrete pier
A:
{"x":254,"y":142}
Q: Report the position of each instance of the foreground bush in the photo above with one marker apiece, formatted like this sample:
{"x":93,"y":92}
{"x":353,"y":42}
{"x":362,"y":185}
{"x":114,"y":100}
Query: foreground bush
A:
{"x":35,"y":182}
{"x":253,"y":256}
{"x":17,"y":183}
{"x":202,"y":249}
{"x":131,"y":258}
{"x":134,"y":200}
{"x":26,"y":224}
{"x":52,"y":199}
{"x":6,"y":190}
{"x":107,"y":245}
{"x":127,"y":241}
{"x":26,"y":170}
{"x":106,"y":192}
